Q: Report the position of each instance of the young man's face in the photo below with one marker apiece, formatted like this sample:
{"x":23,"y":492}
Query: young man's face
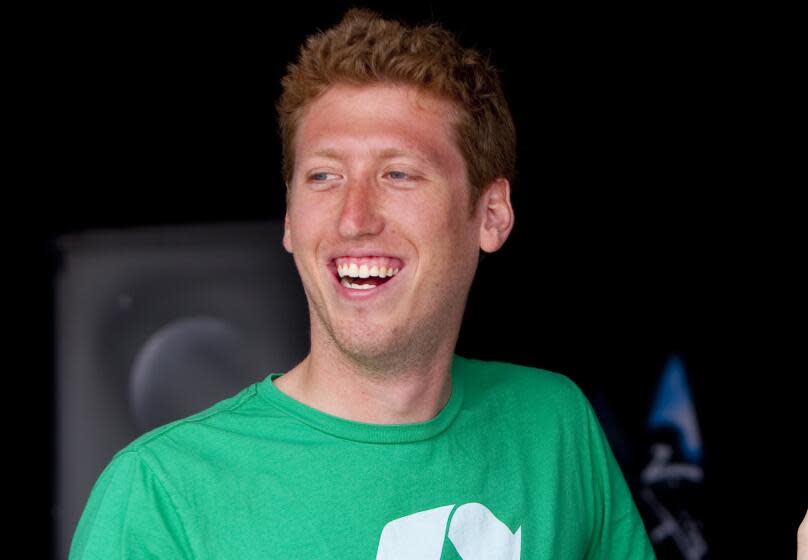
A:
{"x":379,"y":187}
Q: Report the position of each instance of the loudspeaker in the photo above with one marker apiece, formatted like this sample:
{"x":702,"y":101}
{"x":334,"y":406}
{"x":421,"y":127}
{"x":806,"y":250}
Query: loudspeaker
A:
{"x":159,"y":323}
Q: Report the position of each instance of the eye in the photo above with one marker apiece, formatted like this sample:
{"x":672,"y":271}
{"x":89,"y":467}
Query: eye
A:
{"x":319,"y":176}
{"x":400,"y":175}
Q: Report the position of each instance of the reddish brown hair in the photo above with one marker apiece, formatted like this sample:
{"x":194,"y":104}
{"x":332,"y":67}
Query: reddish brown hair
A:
{"x":364,"y":49}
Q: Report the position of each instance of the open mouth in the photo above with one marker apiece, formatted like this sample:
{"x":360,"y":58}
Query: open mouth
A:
{"x":366,"y":273}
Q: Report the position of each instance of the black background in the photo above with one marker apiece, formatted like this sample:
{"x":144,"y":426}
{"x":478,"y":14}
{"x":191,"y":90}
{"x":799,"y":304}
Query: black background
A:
{"x":654,"y":209}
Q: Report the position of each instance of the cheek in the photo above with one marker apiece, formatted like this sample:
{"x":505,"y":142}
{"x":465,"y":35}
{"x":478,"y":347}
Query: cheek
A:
{"x":304,"y":219}
{"x":287,"y":238}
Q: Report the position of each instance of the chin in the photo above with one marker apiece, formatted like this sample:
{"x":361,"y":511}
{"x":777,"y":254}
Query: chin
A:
{"x":372,"y":351}
{"x":368,"y":349}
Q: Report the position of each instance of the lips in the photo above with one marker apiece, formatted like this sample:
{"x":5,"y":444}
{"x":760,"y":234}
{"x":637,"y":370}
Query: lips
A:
{"x":363,"y":276}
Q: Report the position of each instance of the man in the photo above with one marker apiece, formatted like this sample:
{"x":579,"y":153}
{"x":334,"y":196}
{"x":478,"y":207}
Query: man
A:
{"x":398,"y":154}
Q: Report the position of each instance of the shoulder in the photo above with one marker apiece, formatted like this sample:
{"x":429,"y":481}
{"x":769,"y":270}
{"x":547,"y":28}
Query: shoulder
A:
{"x":527,"y":385}
{"x":189,"y":429}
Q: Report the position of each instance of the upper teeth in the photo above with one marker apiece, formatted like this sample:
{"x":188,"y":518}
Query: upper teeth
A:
{"x":364,"y":271}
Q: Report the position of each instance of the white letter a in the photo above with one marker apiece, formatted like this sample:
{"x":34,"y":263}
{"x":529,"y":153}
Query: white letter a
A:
{"x":417,"y":536}
{"x":477,"y":534}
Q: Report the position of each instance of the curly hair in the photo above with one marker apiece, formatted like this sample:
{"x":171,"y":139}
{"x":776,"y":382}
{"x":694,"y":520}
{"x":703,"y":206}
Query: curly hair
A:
{"x":364,"y":49}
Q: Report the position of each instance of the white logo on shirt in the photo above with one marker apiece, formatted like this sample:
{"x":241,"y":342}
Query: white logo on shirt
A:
{"x":475,"y":532}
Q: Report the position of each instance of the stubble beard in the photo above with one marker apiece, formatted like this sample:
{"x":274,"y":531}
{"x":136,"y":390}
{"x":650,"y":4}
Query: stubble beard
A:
{"x":381,"y":352}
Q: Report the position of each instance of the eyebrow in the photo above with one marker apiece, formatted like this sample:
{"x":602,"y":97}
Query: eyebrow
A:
{"x":386,"y":153}
{"x":333,"y":154}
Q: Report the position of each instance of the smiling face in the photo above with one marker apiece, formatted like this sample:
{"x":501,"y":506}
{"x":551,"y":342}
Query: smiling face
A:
{"x":379,"y":193}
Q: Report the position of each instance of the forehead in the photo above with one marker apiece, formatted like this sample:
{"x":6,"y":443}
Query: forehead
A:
{"x":385,"y":120}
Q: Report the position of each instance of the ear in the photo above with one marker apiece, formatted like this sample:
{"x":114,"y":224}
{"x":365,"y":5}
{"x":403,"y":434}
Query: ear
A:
{"x":287,"y":236}
{"x":497,"y":220}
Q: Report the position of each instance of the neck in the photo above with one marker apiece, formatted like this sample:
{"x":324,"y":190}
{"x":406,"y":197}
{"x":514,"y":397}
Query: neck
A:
{"x":410,"y":389}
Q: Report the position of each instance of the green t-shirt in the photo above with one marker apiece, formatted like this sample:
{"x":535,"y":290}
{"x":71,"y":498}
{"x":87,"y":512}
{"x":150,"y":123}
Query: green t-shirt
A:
{"x":515,"y":466}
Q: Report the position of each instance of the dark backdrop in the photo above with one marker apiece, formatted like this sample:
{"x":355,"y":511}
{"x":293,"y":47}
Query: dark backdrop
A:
{"x":649,"y":218}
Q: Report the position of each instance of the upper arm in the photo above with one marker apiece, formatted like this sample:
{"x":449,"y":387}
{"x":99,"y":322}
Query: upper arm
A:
{"x":129,"y":514}
{"x":618,"y":530}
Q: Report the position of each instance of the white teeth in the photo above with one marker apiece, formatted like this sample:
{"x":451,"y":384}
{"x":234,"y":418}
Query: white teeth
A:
{"x":365,"y":271}
{"x":345,"y":282}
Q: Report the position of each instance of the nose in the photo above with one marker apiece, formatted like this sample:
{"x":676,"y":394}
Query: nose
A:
{"x":360,"y":214}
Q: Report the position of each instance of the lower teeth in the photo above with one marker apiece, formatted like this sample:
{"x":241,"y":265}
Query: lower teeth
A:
{"x":348,"y":284}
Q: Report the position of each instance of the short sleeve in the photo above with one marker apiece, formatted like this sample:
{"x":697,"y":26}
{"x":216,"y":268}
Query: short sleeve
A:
{"x":129,"y":515}
{"x":619,"y":529}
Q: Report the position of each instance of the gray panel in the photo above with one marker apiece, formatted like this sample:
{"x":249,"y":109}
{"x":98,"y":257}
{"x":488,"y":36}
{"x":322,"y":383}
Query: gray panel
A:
{"x":156,"y":324}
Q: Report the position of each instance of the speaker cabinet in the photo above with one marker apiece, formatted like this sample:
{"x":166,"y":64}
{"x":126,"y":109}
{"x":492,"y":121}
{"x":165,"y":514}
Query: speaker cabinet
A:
{"x":159,"y":323}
